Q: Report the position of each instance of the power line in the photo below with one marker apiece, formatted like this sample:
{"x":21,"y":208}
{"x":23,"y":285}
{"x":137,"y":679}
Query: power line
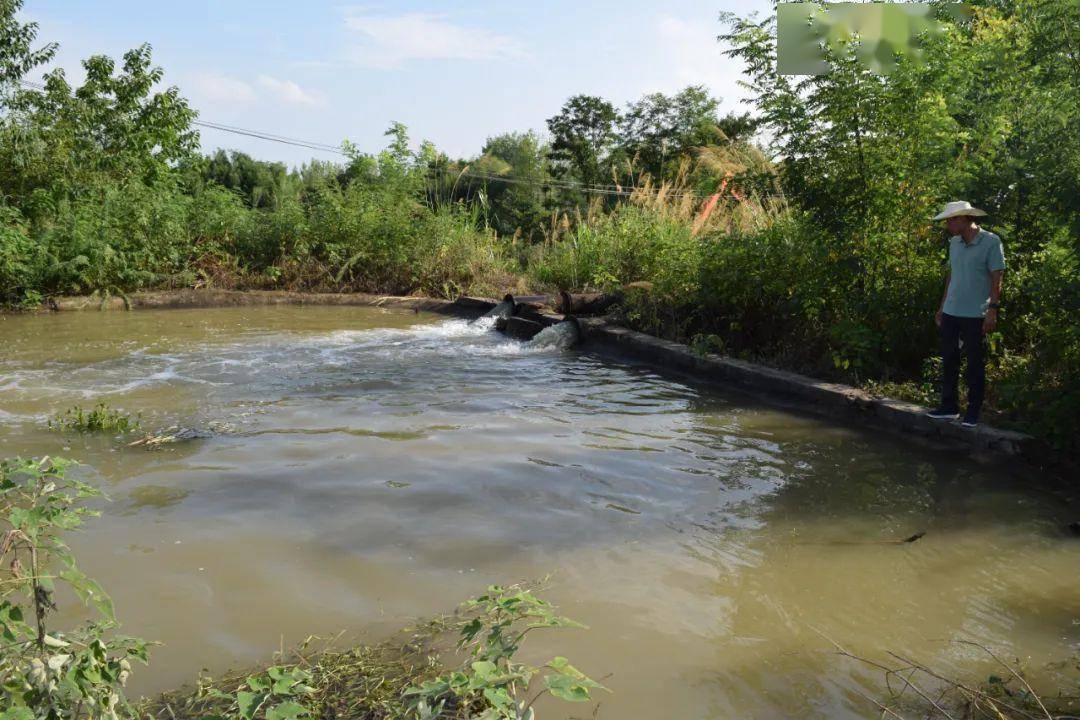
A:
{"x":613,"y":190}
{"x":265,"y":136}
{"x":311,"y":145}
{"x":268,"y":136}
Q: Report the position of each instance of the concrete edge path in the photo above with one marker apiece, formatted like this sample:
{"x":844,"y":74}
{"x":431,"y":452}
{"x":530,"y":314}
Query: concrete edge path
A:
{"x":822,"y":397}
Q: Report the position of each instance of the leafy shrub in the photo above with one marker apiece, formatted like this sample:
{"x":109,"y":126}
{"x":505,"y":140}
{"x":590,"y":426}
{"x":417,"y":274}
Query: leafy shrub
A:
{"x":493,"y":684}
{"x":47,"y":674}
{"x":1041,"y":385}
{"x":276,"y":693}
{"x":267,"y":238}
{"x":22,"y":262}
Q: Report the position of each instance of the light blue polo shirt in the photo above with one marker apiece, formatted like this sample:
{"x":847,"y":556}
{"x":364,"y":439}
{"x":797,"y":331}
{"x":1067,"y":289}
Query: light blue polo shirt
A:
{"x":970,"y":266}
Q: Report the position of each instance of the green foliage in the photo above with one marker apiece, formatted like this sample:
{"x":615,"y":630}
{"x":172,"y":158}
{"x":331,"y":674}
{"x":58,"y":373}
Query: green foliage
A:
{"x":48,"y":674}
{"x":582,"y":135}
{"x":630,"y":244}
{"x":1040,"y":384}
{"x":493,"y":685}
{"x":21,"y":261}
{"x":260,"y":184}
{"x":885,"y":31}
{"x":657,"y":136}
{"x":66,"y":144}
{"x":703,"y":344}
{"x":102,"y":419}
{"x":658,"y":131}
{"x":278,"y":693}
{"x":17,"y":56}
{"x":519,"y":205}
{"x":866,"y":159}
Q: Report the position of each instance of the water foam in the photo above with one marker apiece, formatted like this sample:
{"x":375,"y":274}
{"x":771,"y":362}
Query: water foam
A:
{"x":446,"y":330}
{"x":273,"y":357}
{"x":555,"y":337}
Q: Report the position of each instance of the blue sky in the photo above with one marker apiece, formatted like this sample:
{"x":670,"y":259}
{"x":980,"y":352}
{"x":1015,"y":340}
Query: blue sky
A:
{"x":454,"y":72}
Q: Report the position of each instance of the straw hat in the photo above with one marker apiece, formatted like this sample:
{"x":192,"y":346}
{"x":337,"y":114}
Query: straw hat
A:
{"x":958,"y":207}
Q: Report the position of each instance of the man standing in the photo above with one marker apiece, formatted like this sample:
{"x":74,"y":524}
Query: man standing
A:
{"x":968,"y":308}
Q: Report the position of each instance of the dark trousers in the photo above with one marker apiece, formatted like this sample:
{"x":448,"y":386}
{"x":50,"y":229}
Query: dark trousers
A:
{"x":969,"y":332}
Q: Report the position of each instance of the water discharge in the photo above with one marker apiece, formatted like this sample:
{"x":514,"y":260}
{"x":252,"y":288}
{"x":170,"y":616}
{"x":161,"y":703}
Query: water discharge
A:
{"x":503,"y":310}
{"x":560,"y":336}
{"x":381,"y":465}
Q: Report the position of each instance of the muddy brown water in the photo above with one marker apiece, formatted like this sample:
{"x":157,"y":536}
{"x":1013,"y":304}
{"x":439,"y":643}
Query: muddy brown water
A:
{"x":378,"y":465}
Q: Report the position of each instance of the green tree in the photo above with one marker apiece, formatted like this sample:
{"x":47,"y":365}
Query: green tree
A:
{"x":583,"y":135}
{"x":738,"y":127}
{"x":113,"y":128}
{"x":658,"y":130}
{"x":519,"y":204}
{"x":17,"y":56}
{"x":261,"y":184}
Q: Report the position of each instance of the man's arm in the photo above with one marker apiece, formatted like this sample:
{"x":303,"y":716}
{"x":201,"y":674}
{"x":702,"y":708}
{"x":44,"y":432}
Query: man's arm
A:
{"x":937,"y":315}
{"x":995,"y":297}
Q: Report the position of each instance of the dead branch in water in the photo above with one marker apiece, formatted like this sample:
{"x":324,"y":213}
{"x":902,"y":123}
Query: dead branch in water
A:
{"x":955,"y":700}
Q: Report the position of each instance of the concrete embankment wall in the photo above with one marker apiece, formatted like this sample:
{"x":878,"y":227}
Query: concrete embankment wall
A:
{"x":827,"y":398}
{"x":176,"y":299}
{"x":833,"y":399}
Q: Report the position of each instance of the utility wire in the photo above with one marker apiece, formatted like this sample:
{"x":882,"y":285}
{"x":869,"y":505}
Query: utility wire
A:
{"x":264,"y":136}
{"x":311,"y":145}
{"x":614,"y":190}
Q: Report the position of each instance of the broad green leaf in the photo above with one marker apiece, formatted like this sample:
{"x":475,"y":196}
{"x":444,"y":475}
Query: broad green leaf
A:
{"x":287,"y":710}
{"x":484,"y":669}
{"x":471,"y":628}
{"x":430,"y":688}
{"x":17,"y":516}
{"x":458,"y":682}
{"x":498,"y":697}
{"x":277,"y":672}
{"x":11,"y":622}
{"x":249,"y":703}
{"x":58,"y":661}
{"x":565,"y":687}
{"x":89,"y":591}
{"x":569,"y":683}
